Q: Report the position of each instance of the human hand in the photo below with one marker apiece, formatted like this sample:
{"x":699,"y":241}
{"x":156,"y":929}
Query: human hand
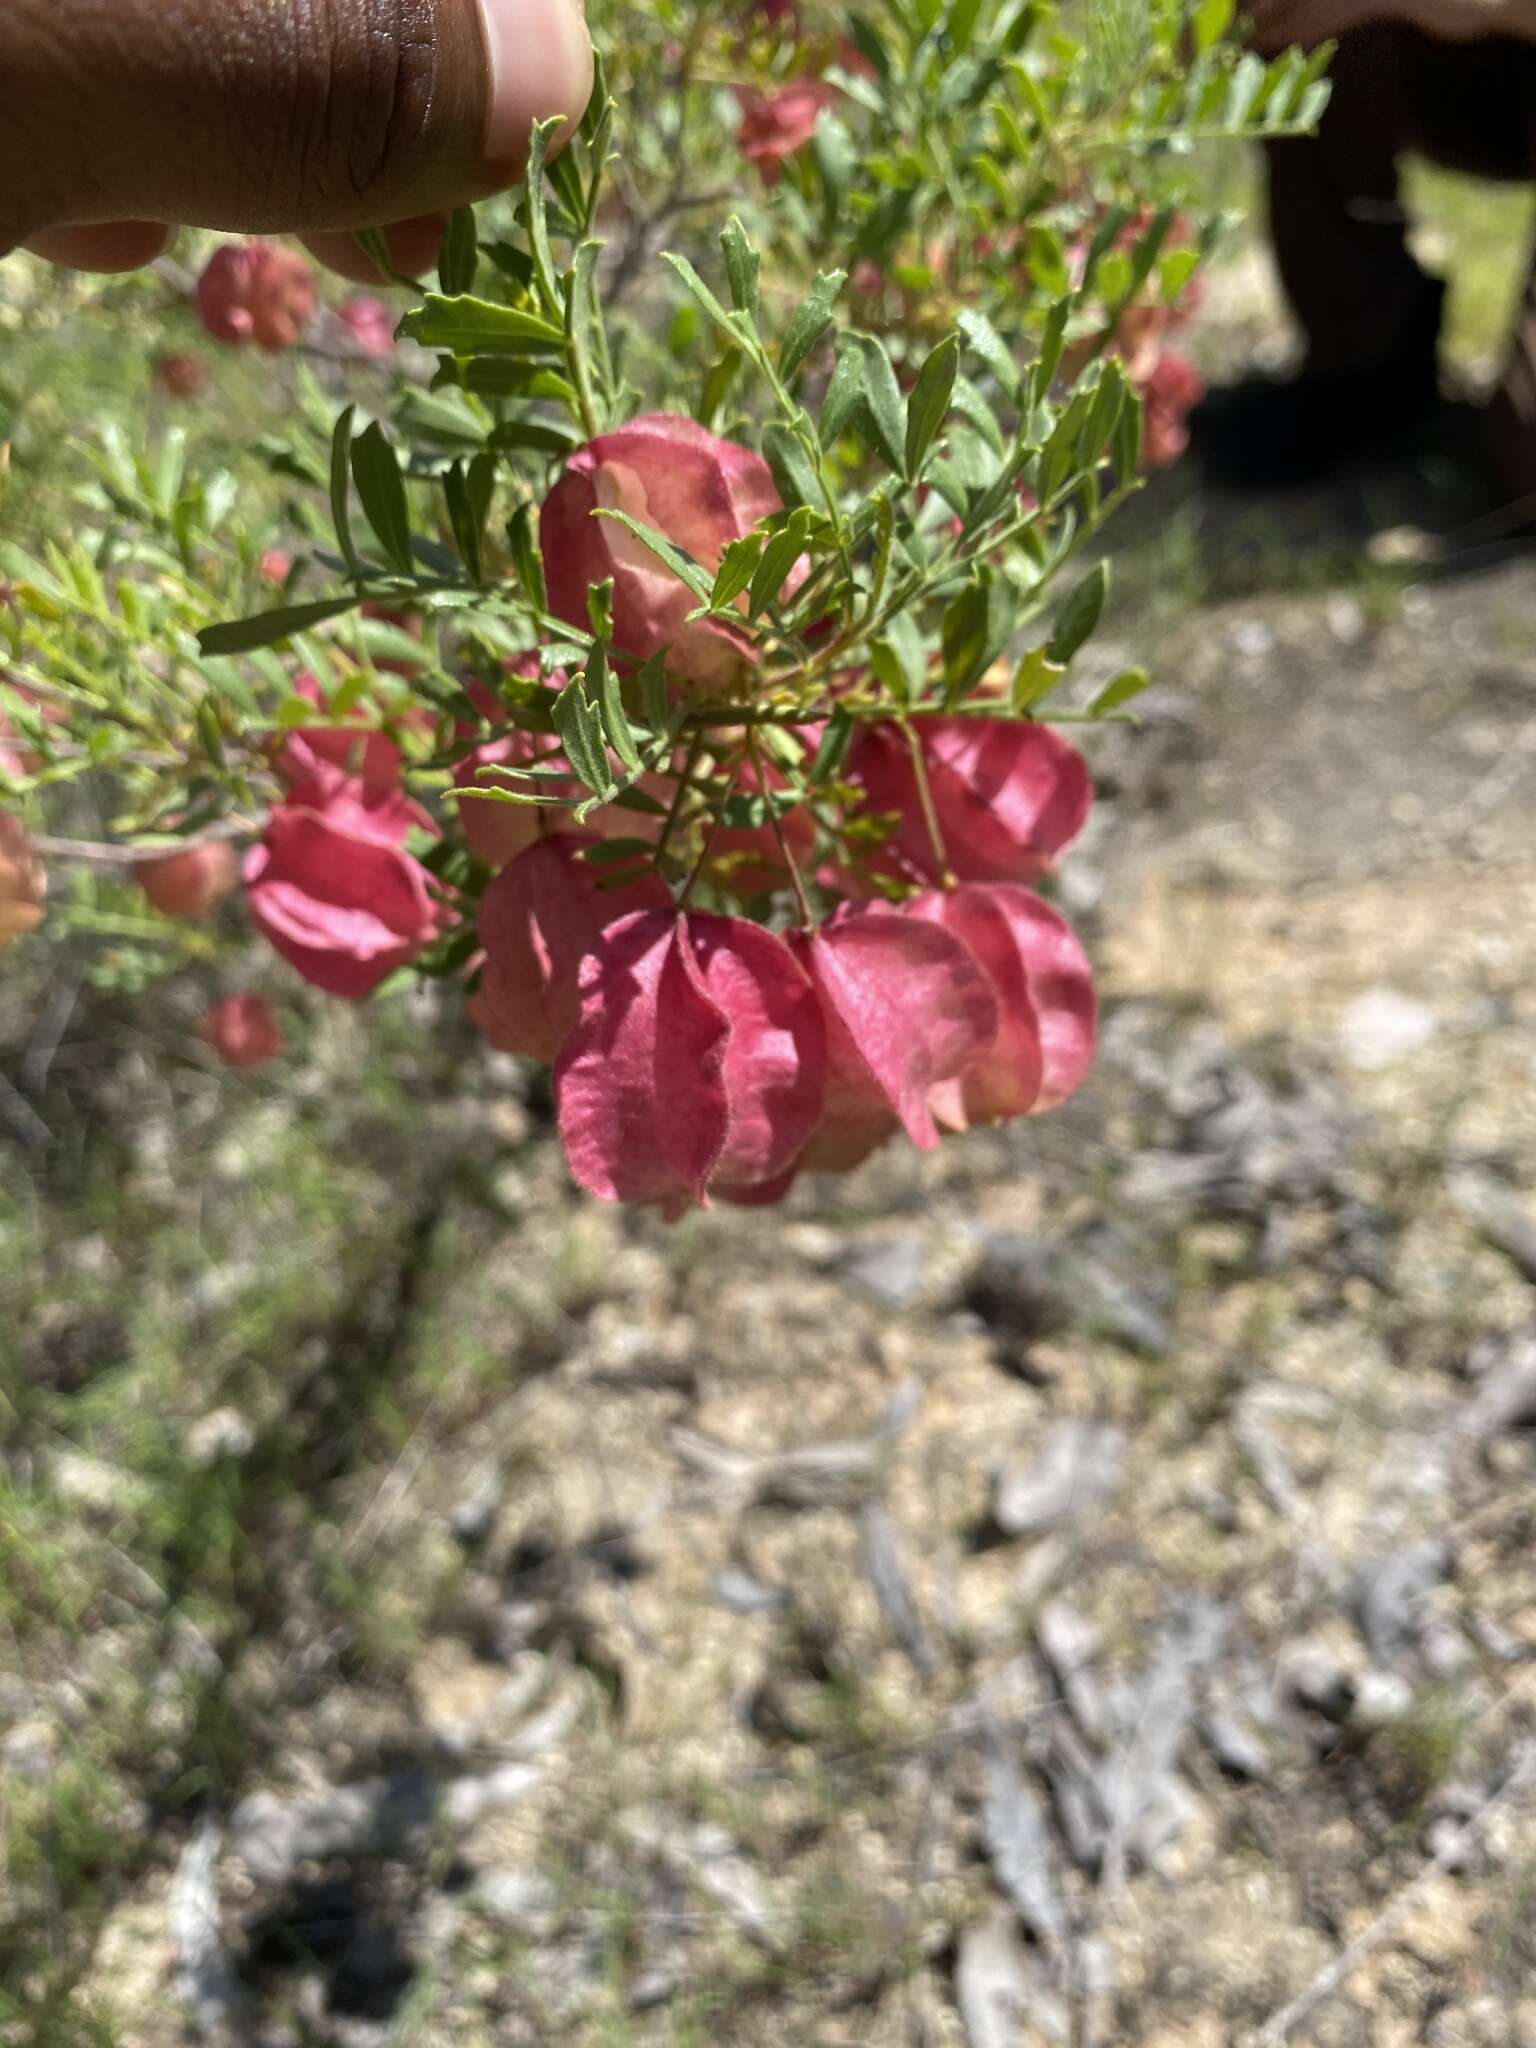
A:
{"x":270,"y":116}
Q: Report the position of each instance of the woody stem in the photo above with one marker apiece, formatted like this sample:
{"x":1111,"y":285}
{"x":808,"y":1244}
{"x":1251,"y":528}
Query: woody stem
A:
{"x":807,"y":918}
{"x":709,"y":839}
{"x":947,"y":876}
{"x":679,"y":796}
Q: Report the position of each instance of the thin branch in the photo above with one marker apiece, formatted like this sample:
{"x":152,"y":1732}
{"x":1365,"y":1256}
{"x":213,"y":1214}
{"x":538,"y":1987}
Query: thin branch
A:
{"x":105,"y":853}
{"x":1282,"y":2024}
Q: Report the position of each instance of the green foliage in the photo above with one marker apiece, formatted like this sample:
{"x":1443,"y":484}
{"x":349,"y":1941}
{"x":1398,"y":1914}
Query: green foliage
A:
{"x":919,"y":324}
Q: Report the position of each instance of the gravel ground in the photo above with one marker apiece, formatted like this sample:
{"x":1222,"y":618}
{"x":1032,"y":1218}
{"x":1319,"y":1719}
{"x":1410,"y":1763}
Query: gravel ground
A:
{"x":1078,"y":1588}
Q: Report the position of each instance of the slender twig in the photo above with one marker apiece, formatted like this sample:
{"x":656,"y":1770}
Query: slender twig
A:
{"x":709,"y":837}
{"x":925,"y":801}
{"x":1282,"y":2024}
{"x":695,"y":748}
{"x":104,"y":853}
{"x":807,"y":917}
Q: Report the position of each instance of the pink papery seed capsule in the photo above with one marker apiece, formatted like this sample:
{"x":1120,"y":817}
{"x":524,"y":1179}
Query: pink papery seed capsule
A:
{"x":696,"y":1068}
{"x":907,"y":1006}
{"x":1047,"y":1008}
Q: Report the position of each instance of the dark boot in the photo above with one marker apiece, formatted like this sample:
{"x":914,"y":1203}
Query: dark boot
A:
{"x":1269,"y":434}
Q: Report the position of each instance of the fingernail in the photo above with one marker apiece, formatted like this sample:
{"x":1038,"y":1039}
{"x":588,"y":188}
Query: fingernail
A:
{"x":541,"y":64}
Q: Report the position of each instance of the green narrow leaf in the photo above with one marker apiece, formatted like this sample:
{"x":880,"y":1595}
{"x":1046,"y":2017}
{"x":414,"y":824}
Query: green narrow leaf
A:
{"x":974,"y":409}
{"x":741,"y":264}
{"x":1150,"y":247}
{"x":682,"y":566}
{"x":881,"y":416}
{"x":461,"y":517}
{"x":341,"y":488}
{"x":210,"y":732}
{"x":1051,"y":341}
{"x":1125,"y":449}
{"x":735,"y":572}
{"x":900,"y":658}
{"x":845,"y":390}
{"x":544,"y":278}
{"x":993,"y":179}
{"x":810,"y":321}
{"x":1248,"y":80}
{"x":565,"y":179}
{"x":580,"y":729}
{"x":1112,"y":280}
{"x":381,"y":490}
{"x":459,"y":257}
{"x":584,"y":328}
{"x":522,"y":540}
{"x":1174,"y":272}
{"x":608,"y":853}
{"x":1079,"y":615}
{"x":703,"y":296}
{"x":1104,"y":413}
{"x":1028,"y":88}
{"x":928,"y":406}
{"x":792,"y":469}
{"x":976,"y":626}
{"x":836,"y":737}
{"x":596,"y":116}
{"x":962,"y":22}
{"x":600,"y":611}
{"x":375,"y":247}
{"x":885,"y":541}
{"x":652,"y":686}
{"x":511,"y":261}
{"x":1308,"y":110}
{"x":778,"y":558}
{"x":467,"y":326}
{"x":1045,"y":262}
{"x":1034,"y":678}
{"x":1118,"y":690}
{"x":989,"y":345}
{"x":539,"y":437}
{"x":240,"y":636}
{"x":717,"y":384}
{"x":836,"y":157}
{"x":603,"y":684}
{"x":1210,"y":22}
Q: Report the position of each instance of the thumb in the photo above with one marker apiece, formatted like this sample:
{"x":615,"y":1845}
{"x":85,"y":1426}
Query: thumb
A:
{"x":268,"y":115}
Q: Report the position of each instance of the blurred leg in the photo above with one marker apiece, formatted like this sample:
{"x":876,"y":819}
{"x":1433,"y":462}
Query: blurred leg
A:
{"x":1500,"y":142}
{"x":1335,"y":219}
{"x":1370,"y":314}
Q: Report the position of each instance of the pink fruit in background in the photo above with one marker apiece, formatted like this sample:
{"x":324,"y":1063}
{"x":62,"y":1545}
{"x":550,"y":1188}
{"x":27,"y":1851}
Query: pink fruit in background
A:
{"x":242,"y":1030}
{"x":776,"y":124}
{"x":181,"y":375}
{"x":315,"y":762}
{"x":188,"y":883}
{"x":1170,"y":391}
{"x":698,"y":491}
{"x":16,"y":757}
{"x":23,"y":884}
{"x":256,"y":292}
{"x":371,"y":324}
{"x":335,"y":893}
